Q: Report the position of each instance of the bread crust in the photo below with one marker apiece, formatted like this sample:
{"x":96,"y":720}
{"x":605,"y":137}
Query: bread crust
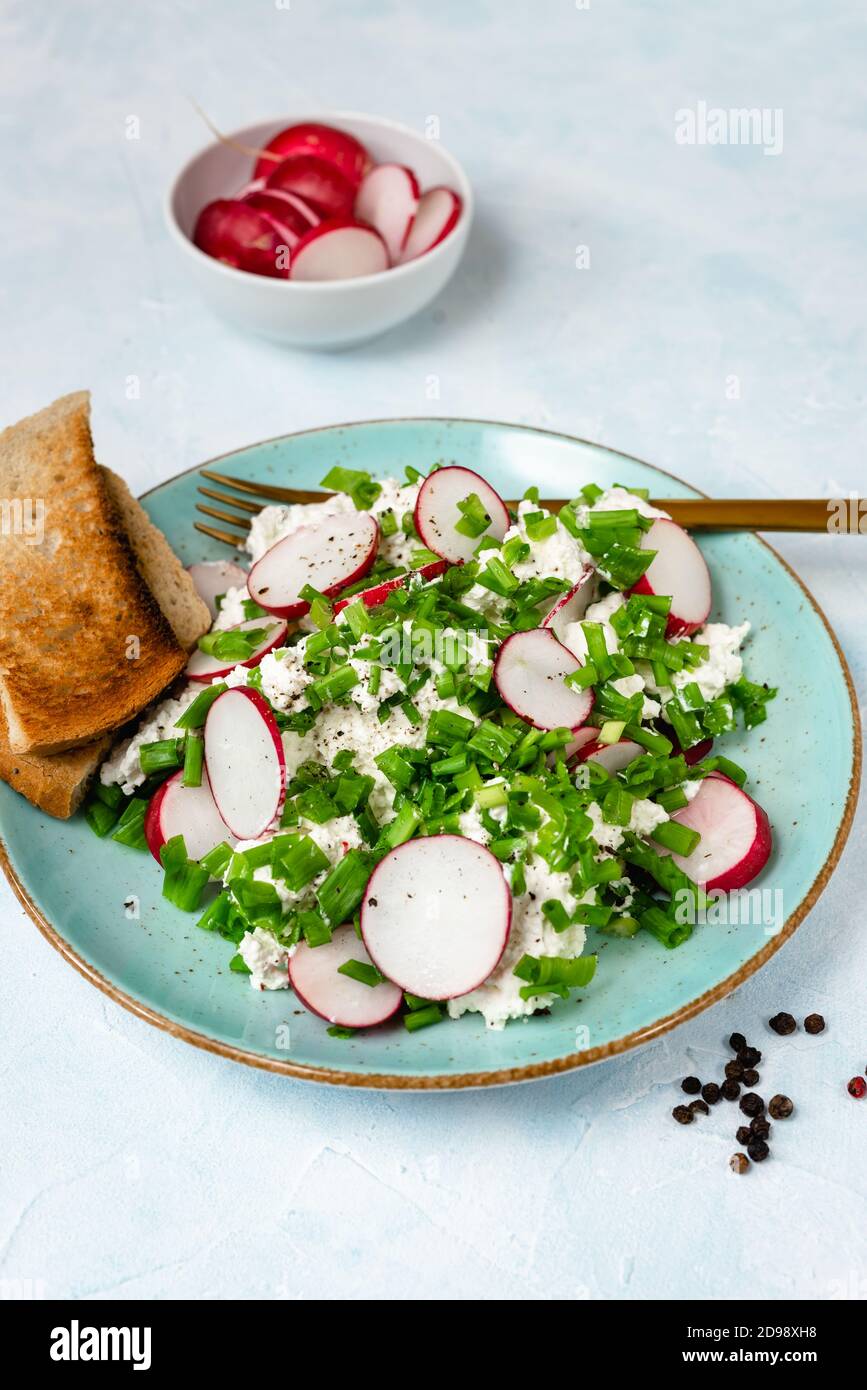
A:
{"x":84,"y":645}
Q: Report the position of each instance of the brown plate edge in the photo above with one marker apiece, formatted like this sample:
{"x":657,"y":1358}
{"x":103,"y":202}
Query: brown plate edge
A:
{"x":508,"y":1075}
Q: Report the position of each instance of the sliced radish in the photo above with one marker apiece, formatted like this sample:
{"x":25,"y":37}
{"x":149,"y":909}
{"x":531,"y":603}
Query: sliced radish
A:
{"x":614,"y":757}
{"x":677,"y":571}
{"x":736,"y":837}
{"x":529,"y":673}
{"x":287,"y":218}
{"x":692,"y":755}
{"x":336,"y":147}
{"x":245,"y":761}
{"x":436,"y":916}
{"x":330,"y":556}
{"x":214,"y":577}
{"x":242,"y":237}
{"x":322,"y":186}
{"x":204,"y":668}
{"x":189,"y":811}
{"x":437,"y":514}
{"x":570,"y":607}
{"x":378,"y":593}
{"x":339,"y":249}
{"x":388,"y":198}
{"x":313,"y":974}
{"x":579,"y":740}
{"x":438,"y":211}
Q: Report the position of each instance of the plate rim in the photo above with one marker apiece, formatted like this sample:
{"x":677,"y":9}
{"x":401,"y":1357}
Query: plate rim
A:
{"x":393,"y":1081}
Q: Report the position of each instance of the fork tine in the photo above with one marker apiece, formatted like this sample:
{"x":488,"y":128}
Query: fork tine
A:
{"x":215,"y":512}
{"x":240,"y":502}
{"x":234,"y":541}
{"x":269,"y":490}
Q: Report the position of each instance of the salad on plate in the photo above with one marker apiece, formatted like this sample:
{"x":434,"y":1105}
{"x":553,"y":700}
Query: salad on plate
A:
{"x":431,"y":740}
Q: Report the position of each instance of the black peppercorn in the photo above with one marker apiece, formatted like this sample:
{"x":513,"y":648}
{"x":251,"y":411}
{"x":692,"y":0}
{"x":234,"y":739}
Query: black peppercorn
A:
{"x":710,"y":1092}
{"x":734,"y":1071}
{"x":814,"y":1023}
{"x":744,"y":1135}
{"x":730,"y":1089}
{"x":698,"y":1107}
{"x":758,"y":1150}
{"x":737,"y":1041}
{"x":751,"y":1104}
{"x":760,"y":1127}
{"x":749,"y":1056}
{"x":739,"y":1163}
{"x":682,"y":1114}
{"x":780,"y":1107}
{"x":691,"y":1085}
{"x":750,"y":1077}
{"x":782,"y":1024}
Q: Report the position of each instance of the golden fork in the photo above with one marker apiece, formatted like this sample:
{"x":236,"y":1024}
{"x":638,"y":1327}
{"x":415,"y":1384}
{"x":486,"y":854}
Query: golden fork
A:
{"x":696,"y":513}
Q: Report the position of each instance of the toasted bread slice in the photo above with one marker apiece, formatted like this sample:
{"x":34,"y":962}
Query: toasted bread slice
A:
{"x":160,"y":567}
{"x":55,"y":783}
{"x":84,"y":644}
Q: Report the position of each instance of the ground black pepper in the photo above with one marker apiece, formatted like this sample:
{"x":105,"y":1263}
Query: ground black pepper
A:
{"x":780,"y":1107}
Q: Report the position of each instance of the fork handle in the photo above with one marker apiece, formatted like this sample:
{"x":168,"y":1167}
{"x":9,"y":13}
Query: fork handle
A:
{"x":769,"y":514}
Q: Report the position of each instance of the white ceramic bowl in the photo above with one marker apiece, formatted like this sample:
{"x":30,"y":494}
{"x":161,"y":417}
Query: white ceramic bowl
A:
{"x":324,"y":314}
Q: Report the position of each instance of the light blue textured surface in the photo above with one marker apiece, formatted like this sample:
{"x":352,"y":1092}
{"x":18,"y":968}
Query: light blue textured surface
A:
{"x":718,"y":331}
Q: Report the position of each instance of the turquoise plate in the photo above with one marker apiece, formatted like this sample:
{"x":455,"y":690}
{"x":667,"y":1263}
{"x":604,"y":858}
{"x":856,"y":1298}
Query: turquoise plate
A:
{"x":162,"y":968}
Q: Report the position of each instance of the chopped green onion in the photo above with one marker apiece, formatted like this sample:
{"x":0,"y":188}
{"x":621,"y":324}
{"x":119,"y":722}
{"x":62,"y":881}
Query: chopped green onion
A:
{"x":185,"y":879}
{"x":194,"y":757}
{"x":423,"y":1018}
{"x":316,"y":931}
{"x":300,"y":863}
{"x":130,"y":828}
{"x":474,"y":519}
{"x":195,"y":715}
{"x":342,"y":889}
{"x":163,"y":756}
{"x":361,"y":971}
{"x":216,"y":861}
{"x":358,"y":484}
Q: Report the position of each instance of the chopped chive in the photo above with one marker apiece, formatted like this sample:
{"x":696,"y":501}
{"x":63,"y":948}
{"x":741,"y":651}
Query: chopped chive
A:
{"x":195,"y":715}
{"x":361,"y":971}
{"x":130,"y":828}
{"x":194,"y":757}
{"x":423,"y":1018}
{"x":163,"y":756}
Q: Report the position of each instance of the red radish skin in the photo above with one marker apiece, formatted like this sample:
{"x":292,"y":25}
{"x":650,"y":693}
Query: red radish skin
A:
{"x":245,"y":762}
{"x":678,"y":571}
{"x":436,"y":916}
{"x":437,"y":214}
{"x":529,"y":673}
{"x":277,"y":198}
{"x":287,"y":218}
{"x":314,"y":976}
{"x":336,"y":147}
{"x":571,"y":607}
{"x":437,"y":514}
{"x":614,"y":757}
{"x":388,"y":200}
{"x":339,"y":249}
{"x":736,"y":836}
{"x":242,"y":237}
{"x":579,"y":740}
{"x":189,"y":811}
{"x":214,"y":577}
{"x":378,"y":593}
{"x":698,"y":751}
{"x":322,"y":186}
{"x":331,"y":556}
{"x":205,"y":669}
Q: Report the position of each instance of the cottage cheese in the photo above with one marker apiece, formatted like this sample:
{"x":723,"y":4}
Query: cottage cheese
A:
{"x":266,"y":959}
{"x":499,"y":999}
{"x":123,"y":767}
{"x":724,"y":664}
